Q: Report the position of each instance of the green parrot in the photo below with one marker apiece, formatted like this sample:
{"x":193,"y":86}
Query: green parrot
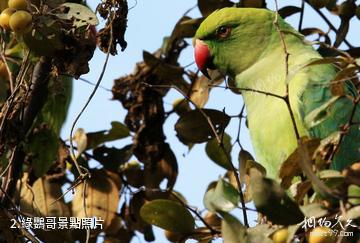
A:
{"x":245,"y":45}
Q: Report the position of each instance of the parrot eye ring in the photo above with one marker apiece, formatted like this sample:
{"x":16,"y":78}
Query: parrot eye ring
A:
{"x":223,"y":31}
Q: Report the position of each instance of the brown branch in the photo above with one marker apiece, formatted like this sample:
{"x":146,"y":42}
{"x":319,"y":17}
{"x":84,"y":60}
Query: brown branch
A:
{"x":301,"y":15}
{"x":327,"y":21}
{"x":212,"y":127}
{"x":305,"y":162}
{"x":241,"y":116}
{"x":219,"y":141}
{"x":83,"y":175}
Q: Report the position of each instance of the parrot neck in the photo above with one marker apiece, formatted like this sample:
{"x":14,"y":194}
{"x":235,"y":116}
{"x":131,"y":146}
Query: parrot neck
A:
{"x":268,"y":73}
{"x":269,"y":115}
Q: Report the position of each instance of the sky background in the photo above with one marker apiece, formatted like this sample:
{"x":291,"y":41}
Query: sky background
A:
{"x":148,"y":22}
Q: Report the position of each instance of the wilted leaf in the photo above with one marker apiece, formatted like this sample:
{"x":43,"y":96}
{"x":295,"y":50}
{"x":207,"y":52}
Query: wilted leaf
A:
{"x":257,"y":236}
{"x":292,"y":229}
{"x":44,"y":199}
{"x":221,"y":156}
{"x":206,"y":7}
{"x":288,"y":11}
{"x":101,"y":198}
{"x":167,"y":168}
{"x":299,"y":190}
{"x":46,"y":38}
{"x":181,"y":106}
{"x":117,"y":131}
{"x":224,"y":197}
{"x":342,"y":31}
{"x":184,"y":28}
{"x":193,"y":126}
{"x":134,"y":174}
{"x":319,"y":114}
{"x":291,"y":166}
{"x":243,"y":157}
{"x":312,"y":31}
{"x":316,"y":210}
{"x":261,"y":229}
{"x":132,"y":217}
{"x":327,"y":145}
{"x":169,"y":215}
{"x":352,"y":174}
{"x":164,"y":71}
{"x":112,"y":158}
{"x":212,"y":219}
{"x":47,"y":198}
{"x":354,"y":52}
{"x":232,"y":230}
{"x":245,"y":165}
{"x":252,"y":3}
{"x":272,"y":201}
{"x":199,"y":94}
{"x":326,"y":60}
{"x":338,"y":83}
{"x":352,"y":213}
{"x":331,"y":178}
{"x":81,"y":140}
{"x":80,"y":14}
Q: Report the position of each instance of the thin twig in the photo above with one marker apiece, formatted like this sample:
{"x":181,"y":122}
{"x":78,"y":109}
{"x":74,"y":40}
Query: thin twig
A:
{"x":241,"y":116}
{"x":11,"y":82}
{"x":332,"y":27}
{"x":212,"y":230}
{"x":212,"y":127}
{"x":72,"y":152}
{"x":301,"y":15}
{"x":305,"y":162}
{"x":218,"y":139}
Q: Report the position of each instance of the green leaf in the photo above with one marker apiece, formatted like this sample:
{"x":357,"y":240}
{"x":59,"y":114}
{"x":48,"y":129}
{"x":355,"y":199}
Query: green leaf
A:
{"x":117,"y":131}
{"x":194,"y":127}
{"x":272,"y":201}
{"x":80,"y":14}
{"x":354,"y":194}
{"x":43,"y":158}
{"x":232,"y":230}
{"x":169,"y":215}
{"x":224,"y":197}
{"x":220,"y":156}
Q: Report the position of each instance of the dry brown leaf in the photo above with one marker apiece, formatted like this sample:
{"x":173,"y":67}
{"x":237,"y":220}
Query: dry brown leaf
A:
{"x":291,"y":166}
{"x":352,"y":174}
{"x":101,"y":198}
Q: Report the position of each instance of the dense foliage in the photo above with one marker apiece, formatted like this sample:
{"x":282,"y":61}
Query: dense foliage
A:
{"x":46,"y":45}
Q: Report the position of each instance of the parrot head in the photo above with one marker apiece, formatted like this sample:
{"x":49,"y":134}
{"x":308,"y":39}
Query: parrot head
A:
{"x":232,"y":39}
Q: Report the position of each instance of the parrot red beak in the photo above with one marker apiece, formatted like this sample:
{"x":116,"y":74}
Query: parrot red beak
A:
{"x":203,"y":57}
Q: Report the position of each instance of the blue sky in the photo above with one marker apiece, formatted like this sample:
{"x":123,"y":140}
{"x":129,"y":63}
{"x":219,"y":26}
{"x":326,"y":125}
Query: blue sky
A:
{"x":149,"y":22}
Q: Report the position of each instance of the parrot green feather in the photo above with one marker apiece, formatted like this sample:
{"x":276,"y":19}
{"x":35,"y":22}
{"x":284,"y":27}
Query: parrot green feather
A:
{"x":253,"y":55}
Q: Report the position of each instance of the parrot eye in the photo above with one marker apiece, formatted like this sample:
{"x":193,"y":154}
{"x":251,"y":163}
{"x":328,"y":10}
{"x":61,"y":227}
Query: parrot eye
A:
{"x":223,"y":32}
